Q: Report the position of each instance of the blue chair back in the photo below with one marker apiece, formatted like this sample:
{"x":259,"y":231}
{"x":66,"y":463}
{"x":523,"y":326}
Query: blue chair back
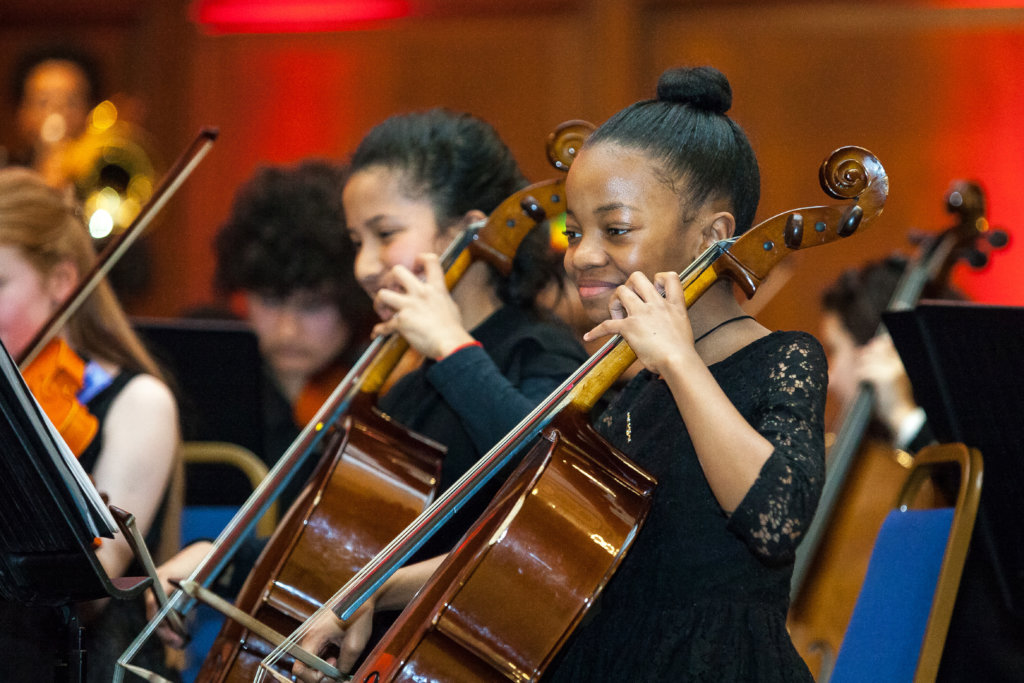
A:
{"x":887,"y":628}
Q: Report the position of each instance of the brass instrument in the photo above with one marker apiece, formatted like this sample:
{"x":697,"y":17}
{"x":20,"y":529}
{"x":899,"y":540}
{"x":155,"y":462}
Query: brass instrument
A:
{"x":111,"y":170}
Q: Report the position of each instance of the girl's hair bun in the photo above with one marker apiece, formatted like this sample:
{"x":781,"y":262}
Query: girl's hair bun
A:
{"x":701,"y":87}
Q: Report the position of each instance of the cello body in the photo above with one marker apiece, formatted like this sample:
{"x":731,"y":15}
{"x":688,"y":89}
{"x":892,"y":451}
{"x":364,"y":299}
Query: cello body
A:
{"x":553,"y":536}
{"x":373,"y":479}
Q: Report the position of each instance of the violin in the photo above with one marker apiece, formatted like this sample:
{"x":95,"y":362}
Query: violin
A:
{"x":863,"y":478}
{"x":509,"y":594}
{"x":55,"y":377}
{"x":374,"y":476}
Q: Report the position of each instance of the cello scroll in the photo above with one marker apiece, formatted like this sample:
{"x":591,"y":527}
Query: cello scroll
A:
{"x":564,"y":143}
{"x":850,"y":173}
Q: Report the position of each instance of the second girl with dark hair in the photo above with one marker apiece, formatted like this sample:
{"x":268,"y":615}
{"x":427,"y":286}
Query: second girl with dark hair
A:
{"x":488,"y":356}
{"x":414,"y":181}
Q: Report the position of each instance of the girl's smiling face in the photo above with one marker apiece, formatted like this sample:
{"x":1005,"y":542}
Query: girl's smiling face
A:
{"x":624,"y":216}
{"x":387,"y":226}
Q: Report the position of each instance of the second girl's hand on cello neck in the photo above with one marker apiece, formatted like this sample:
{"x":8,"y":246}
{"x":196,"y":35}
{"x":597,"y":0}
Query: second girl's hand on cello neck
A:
{"x":420,"y":309}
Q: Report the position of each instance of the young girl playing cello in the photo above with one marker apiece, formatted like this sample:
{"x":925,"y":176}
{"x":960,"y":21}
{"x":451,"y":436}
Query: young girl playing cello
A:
{"x":489,"y":353}
{"x":727,"y":415}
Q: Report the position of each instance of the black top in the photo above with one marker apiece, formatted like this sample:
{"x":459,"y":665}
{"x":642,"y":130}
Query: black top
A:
{"x":471,"y":399}
{"x":701,"y":595}
{"x":99,"y":406}
{"x":110,"y":634}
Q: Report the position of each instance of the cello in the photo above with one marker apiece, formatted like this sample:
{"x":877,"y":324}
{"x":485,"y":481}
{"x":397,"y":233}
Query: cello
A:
{"x":373,"y":478}
{"x":508,"y":596}
{"x":863,"y":478}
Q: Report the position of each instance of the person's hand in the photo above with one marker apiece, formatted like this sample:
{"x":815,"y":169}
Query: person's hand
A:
{"x":338,"y":643}
{"x":178,"y":567}
{"x":651,"y":317}
{"x":880,"y":366}
{"x":421,"y":310}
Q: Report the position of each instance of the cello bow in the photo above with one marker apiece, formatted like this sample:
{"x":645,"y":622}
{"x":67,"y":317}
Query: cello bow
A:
{"x":849,"y":173}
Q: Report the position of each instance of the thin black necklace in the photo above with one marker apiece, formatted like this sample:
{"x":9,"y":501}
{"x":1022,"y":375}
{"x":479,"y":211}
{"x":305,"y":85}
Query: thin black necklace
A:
{"x":723,"y":324}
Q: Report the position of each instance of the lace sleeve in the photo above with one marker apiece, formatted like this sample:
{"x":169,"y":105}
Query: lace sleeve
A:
{"x":777,"y":509}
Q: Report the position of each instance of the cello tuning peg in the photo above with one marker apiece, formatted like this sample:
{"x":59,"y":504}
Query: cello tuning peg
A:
{"x":850,"y":221}
{"x":532,"y":208}
{"x":997,"y":238}
{"x":794,"y":233}
{"x":977,"y":258}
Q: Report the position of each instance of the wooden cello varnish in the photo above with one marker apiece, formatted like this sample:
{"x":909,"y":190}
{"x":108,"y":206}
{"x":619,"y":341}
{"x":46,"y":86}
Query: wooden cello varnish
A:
{"x":374,"y":476}
{"x":574,"y":493}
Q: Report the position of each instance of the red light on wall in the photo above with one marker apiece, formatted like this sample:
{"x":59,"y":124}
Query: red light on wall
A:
{"x":293,"y":16}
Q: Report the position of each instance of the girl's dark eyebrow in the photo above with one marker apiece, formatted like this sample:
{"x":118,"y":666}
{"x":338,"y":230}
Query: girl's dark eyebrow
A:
{"x":376,"y":220}
{"x":613,"y":206}
{"x":606,"y":208}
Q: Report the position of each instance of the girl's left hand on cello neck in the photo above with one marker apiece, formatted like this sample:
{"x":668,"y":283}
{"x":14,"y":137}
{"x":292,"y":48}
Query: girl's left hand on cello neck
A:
{"x":652,"y":318}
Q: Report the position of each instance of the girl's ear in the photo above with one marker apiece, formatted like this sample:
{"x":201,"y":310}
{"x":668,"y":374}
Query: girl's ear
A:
{"x":721,"y":226}
{"x":61,"y":282}
{"x":446,"y":234}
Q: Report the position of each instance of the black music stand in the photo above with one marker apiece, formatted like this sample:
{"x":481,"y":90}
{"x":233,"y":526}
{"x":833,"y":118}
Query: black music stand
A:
{"x":218,"y":373}
{"x":966,"y":364}
{"x":219,"y":383}
{"x":49,"y":516}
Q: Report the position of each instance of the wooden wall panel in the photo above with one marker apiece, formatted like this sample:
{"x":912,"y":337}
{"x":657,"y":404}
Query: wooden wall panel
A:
{"x":932,"y":91}
{"x":929,"y":91}
{"x":280,"y":98}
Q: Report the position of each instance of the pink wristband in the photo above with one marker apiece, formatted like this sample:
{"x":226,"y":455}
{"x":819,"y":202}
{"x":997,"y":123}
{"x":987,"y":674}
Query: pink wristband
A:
{"x":459,"y":348}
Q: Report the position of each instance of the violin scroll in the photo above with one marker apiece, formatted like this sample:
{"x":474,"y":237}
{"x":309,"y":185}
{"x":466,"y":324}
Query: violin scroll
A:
{"x":565,"y":142}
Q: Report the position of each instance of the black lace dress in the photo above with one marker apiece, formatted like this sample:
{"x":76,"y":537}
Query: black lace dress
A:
{"x":703,"y":596}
